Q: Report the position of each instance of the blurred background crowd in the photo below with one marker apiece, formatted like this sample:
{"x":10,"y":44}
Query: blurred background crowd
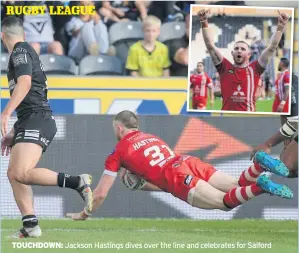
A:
{"x":137,"y":38}
{"x":113,"y":30}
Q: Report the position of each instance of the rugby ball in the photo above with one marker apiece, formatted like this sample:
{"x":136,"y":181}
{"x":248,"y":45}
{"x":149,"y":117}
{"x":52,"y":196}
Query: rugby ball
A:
{"x":132,"y":181}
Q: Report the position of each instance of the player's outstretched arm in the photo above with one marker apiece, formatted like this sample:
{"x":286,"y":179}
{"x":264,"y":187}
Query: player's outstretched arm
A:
{"x":99,"y":195}
{"x":215,"y":53}
{"x":267,"y":54}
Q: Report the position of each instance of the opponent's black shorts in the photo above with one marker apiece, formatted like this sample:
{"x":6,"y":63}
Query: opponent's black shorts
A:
{"x":35,"y":127}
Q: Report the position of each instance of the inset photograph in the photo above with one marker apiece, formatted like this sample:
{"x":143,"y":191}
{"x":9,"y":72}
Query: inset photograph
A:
{"x":240,"y":59}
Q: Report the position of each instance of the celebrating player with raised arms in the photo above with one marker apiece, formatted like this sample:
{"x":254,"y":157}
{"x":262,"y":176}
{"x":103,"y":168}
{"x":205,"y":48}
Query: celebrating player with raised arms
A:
{"x":34,"y":130}
{"x":185,"y":177}
{"x":240,"y":79}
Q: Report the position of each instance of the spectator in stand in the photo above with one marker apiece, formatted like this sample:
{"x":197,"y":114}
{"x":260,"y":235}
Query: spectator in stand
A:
{"x":216,"y":2}
{"x":89,"y":35}
{"x":59,"y":22}
{"x":116,"y":11}
{"x":257,"y":48}
{"x":149,"y":57}
{"x":39,"y":31}
{"x":179,"y":51}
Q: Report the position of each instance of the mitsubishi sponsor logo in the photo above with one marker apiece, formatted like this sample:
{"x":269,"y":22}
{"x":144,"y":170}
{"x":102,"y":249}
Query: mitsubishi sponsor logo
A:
{"x":238,"y":91}
{"x":238,"y":95}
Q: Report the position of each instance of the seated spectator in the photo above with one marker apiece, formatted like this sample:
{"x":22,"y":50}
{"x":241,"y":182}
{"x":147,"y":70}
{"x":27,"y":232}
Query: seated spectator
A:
{"x":115,"y":11}
{"x":89,"y":35}
{"x":149,"y":57}
{"x":169,"y":10}
{"x":59,"y":22}
{"x":216,"y":2}
{"x":179,"y":51}
{"x":40,"y":32}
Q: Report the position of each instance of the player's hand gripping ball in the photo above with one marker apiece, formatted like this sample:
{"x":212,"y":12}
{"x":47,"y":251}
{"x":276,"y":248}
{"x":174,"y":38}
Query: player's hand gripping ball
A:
{"x":132,"y":181}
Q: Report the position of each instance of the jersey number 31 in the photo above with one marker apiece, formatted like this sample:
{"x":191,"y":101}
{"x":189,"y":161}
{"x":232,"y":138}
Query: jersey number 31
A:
{"x":158,"y":156}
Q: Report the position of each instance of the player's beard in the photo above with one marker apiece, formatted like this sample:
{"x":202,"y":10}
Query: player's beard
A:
{"x":239,"y":61}
{"x":279,"y":68}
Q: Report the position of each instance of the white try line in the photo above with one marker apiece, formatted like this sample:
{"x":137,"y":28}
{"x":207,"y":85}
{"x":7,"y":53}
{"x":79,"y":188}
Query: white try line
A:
{"x":158,"y":230}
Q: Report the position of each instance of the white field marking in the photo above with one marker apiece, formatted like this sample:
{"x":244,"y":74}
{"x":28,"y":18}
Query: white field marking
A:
{"x":158,"y":230}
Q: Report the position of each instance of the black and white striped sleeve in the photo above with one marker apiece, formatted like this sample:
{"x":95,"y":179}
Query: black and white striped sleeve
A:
{"x":288,"y":129}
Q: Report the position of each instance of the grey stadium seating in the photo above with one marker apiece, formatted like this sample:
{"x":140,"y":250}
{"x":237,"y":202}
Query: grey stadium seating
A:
{"x":172,"y":31}
{"x":123,"y":35}
{"x":101,"y":65}
{"x":4,"y":63}
{"x":58,"y":64}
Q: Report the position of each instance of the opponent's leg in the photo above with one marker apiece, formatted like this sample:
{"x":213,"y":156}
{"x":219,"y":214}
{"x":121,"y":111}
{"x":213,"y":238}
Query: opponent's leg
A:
{"x":289,"y":157}
{"x":17,"y":168}
{"x":24,"y":157}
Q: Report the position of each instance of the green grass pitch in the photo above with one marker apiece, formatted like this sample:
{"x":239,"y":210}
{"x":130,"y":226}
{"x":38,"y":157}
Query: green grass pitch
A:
{"x":261,"y":105}
{"x":179,"y":236}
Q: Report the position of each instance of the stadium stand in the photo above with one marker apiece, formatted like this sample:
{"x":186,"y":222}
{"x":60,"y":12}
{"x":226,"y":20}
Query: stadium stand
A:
{"x":101,"y":65}
{"x":4,"y":63}
{"x":58,"y":64}
{"x":171,"y":31}
{"x":123,"y":35}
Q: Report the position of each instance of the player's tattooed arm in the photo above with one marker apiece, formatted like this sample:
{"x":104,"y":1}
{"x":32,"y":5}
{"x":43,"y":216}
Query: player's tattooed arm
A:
{"x":267,"y":54}
{"x":215,"y":53}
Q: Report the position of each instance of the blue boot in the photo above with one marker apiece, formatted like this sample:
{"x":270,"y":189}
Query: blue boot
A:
{"x":271,"y":164}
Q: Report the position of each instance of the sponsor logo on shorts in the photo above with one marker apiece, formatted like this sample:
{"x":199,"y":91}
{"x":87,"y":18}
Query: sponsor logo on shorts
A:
{"x":44,"y":140}
{"x":31,"y":134}
{"x":188,"y":180}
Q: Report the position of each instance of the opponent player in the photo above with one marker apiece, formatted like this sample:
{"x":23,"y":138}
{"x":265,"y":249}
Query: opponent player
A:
{"x":288,"y":133}
{"x":185,"y":177}
{"x":200,"y":84}
{"x":33,"y":131}
{"x":239,"y":81}
{"x":282,"y":83}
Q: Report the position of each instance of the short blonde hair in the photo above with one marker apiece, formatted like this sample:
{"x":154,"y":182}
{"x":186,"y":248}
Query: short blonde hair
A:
{"x":151,"y":21}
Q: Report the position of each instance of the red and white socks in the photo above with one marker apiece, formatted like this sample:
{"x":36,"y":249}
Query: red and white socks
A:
{"x":240,"y":195}
{"x":250,"y":175}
